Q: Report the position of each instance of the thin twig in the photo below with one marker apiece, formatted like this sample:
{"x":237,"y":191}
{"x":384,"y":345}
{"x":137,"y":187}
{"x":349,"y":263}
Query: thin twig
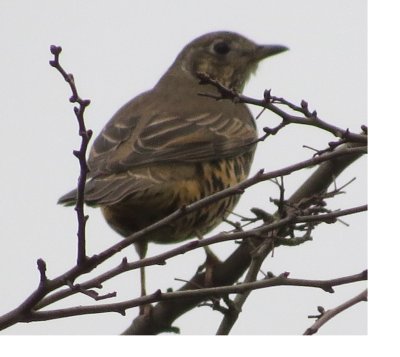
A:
{"x":80,"y":154}
{"x":121,"y":307}
{"x":84,"y":265}
{"x":327,"y":315}
{"x":270,"y":102}
{"x":161,"y":259}
{"x":92,"y":262}
{"x":165,"y":312}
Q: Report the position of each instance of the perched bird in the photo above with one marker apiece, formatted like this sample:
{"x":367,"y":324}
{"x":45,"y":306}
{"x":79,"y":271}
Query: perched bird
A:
{"x":169,"y":146}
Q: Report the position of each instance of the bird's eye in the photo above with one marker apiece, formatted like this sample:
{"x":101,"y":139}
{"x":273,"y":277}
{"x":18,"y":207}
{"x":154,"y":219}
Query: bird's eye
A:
{"x":221,"y":48}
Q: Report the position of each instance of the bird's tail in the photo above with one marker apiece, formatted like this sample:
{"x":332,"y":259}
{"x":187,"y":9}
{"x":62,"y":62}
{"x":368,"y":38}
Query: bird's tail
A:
{"x":69,"y":199}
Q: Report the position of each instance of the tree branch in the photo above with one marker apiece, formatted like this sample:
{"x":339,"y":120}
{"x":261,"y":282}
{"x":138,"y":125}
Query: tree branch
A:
{"x":327,"y":315}
{"x":80,"y":154}
{"x":161,"y":259}
{"x":331,"y":163}
{"x":204,"y":293}
{"x":244,"y":254}
{"x":269,"y":102}
{"x":229,"y":271}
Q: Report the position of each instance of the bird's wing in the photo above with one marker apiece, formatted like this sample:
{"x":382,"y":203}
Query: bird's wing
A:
{"x":133,"y":140}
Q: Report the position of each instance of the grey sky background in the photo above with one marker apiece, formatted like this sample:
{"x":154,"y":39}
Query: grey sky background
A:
{"x":118,"y":49}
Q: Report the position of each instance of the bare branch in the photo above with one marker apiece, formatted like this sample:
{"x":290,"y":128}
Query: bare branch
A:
{"x":80,"y":154}
{"x":270,"y":102}
{"x":325,"y":316}
{"x":204,"y":293}
{"x":161,"y":259}
{"x":236,"y":305}
{"x":92,"y":262}
{"x":165,"y":312}
{"x":305,"y":211}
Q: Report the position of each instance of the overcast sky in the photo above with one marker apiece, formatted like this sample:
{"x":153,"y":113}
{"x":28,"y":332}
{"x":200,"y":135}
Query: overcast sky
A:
{"x":118,"y":49}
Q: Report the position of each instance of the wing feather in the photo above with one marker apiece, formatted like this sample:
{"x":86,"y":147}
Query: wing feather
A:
{"x":155,"y":135}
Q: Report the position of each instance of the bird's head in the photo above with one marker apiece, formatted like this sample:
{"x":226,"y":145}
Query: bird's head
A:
{"x":226,"y":57}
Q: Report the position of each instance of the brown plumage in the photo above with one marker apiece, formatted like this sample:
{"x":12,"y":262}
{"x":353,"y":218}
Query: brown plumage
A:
{"x":169,"y":147}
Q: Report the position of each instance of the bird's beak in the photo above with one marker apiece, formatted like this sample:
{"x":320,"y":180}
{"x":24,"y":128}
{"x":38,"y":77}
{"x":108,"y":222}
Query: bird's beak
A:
{"x":265,"y":51}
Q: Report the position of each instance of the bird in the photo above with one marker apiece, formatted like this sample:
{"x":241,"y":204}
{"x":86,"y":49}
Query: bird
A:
{"x":170,"y":146}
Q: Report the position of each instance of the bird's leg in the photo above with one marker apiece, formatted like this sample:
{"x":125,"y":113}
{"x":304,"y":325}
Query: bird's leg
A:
{"x":142,"y":280}
{"x":141,"y":248}
{"x":211,"y":261}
